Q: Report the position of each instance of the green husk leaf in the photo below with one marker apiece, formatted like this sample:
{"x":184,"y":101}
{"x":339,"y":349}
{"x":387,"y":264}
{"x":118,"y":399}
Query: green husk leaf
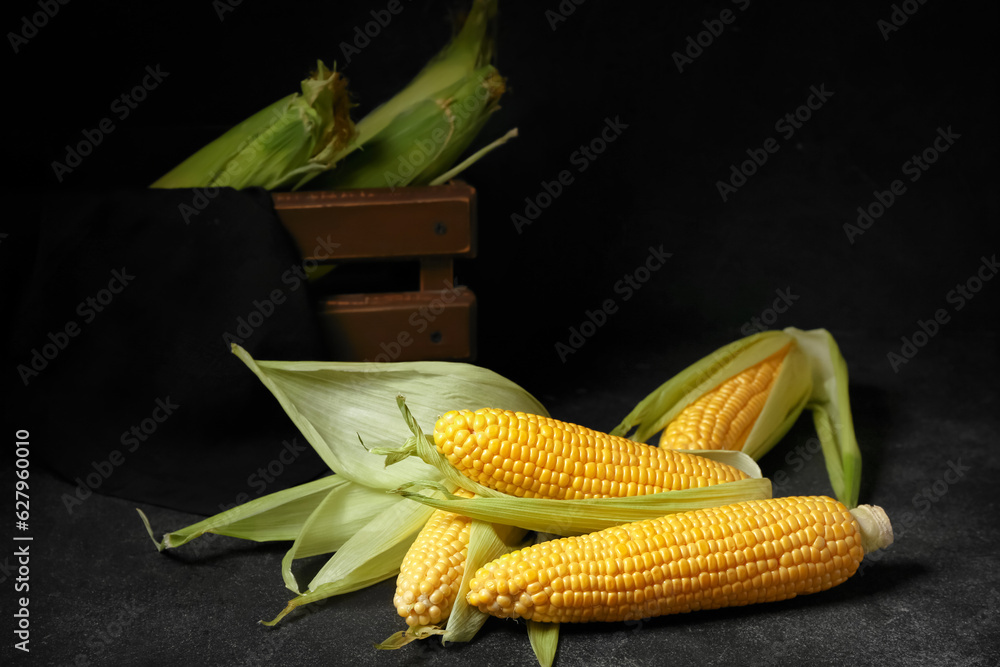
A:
{"x":205,"y":166}
{"x":544,"y":638}
{"x":371,"y":555}
{"x":469,"y":50}
{"x":400,"y":522}
{"x":468,"y":109}
{"x":378,"y":567}
{"x":276,"y":516}
{"x":576,"y":517}
{"x":655,"y":411}
{"x":345,"y":510}
{"x":831,"y":408}
{"x":404,"y":637}
{"x":813,"y":376}
{"x":332,"y":403}
{"x":285,"y":144}
{"x":424,"y":140}
{"x":784,"y":404}
{"x":487,"y":542}
{"x":422,"y":447}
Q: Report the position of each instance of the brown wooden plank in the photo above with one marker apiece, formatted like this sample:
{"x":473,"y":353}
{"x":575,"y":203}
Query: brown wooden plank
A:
{"x":402,"y":326}
{"x":380,"y":223}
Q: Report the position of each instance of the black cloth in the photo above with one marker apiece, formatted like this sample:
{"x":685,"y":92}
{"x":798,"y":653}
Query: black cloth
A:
{"x":930,"y":599}
{"x":123,"y":305}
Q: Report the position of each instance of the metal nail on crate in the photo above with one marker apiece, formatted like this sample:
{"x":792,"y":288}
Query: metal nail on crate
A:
{"x":432,"y":225}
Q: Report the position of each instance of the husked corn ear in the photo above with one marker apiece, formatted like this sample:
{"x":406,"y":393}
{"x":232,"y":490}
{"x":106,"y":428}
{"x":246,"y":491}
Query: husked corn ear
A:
{"x":755,"y":551}
{"x":533,"y":456}
{"x":724,"y":416}
{"x":432,"y":570}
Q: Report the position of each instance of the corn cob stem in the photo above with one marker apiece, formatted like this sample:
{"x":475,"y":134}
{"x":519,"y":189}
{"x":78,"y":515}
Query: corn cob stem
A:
{"x":876,"y":531}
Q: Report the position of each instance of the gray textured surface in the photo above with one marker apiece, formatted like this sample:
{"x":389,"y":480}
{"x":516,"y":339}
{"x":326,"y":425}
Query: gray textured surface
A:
{"x":100,"y":590}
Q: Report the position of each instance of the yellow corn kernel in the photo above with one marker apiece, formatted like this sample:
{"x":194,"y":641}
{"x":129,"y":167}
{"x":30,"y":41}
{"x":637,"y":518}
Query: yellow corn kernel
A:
{"x":723,"y":417}
{"x":432,"y":570}
{"x":561,"y":460}
{"x":679,"y":580}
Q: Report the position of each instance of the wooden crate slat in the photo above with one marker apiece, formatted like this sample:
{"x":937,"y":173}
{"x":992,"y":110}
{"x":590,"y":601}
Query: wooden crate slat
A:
{"x":381,"y":224}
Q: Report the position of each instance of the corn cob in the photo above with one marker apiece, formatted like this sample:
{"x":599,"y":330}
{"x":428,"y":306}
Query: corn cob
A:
{"x":532,"y":456}
{"x":432,"y":570}
{"x":724,"y":416}
{"x":285,"y":144}
{"x":755,"y":551}
{"x":426,"y":139}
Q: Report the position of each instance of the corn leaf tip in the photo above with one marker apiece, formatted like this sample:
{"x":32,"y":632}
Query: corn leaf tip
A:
{"x":160,"y":546}
{"x":403,"y":637}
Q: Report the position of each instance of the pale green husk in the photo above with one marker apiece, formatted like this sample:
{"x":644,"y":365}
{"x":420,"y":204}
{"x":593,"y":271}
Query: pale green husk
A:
{"x":544,"y":638}
{"x":487,"y":542}
{"x":276,"y":516}
{"x":343,"y":514}
{"x":813,"y":375}
{"x":333,"y":404}
{"x":831,"y":408}
{"x":576,"y":517}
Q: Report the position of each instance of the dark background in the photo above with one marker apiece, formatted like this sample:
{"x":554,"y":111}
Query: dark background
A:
{"x":655,"y":185}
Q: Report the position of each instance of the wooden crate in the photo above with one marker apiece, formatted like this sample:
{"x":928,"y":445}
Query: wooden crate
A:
{"x":429,"y":225}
